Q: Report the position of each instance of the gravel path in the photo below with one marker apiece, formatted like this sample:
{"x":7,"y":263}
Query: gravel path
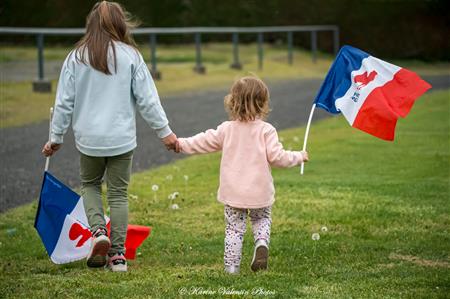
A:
{"x":22,"y":163}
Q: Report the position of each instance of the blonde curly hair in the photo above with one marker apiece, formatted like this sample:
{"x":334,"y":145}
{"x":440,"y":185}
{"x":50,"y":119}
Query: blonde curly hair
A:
{"x":248,"y":99}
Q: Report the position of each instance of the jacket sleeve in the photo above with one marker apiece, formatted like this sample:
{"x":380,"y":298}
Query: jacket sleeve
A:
{"x":276,"y":155}
{"x":206,"y":142}
{"x":147,"y":101}
{"x":64,"y":103}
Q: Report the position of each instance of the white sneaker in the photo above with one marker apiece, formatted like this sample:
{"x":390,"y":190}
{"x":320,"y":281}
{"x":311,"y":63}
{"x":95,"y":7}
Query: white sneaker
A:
{"x":260,"y":255}
{"x":232,"y":269}
{"x":117,"y":262}
{"x":99,"y":249}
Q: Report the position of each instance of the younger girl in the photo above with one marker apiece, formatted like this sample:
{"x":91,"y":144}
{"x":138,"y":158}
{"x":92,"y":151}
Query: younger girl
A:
{"x":249,"y":148}
{"x":101,"y":83}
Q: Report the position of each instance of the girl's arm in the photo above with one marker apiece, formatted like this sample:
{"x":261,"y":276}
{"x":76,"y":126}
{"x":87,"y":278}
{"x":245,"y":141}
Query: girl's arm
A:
{"x":202,"y":143}
{"x":147,"y":101}
{"x":277,"y":156}
{"x":65,"y":98}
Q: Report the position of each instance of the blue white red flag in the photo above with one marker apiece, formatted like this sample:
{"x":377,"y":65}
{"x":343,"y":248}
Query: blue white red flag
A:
{"x":62,"y":224}
{"x":371,"y":93}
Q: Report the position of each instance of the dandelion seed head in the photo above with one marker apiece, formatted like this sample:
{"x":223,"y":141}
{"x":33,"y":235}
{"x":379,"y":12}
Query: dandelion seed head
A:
{"x":155,"y":188}
{"x":174,"y":206}
{"x":324,"y":229}
{"x":315,"y":237}
{"x":175,"y":194}
{"x":169,"y":177}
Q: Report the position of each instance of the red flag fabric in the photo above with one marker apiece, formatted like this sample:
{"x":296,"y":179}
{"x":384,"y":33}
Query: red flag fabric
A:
{"x":136,"y":235}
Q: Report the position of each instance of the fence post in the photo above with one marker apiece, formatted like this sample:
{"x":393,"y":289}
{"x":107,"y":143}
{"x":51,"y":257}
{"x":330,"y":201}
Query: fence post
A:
{"x":40,"y":48}
{"x":336,"y":40}
{"x":290,"y":42}
{"x":199,"y":68}
{"x":154,"y":69}
{"x":260,"y":50}
{"x":314,"y":46}
{"x":236,"y":64}
{"x":41,"y":84}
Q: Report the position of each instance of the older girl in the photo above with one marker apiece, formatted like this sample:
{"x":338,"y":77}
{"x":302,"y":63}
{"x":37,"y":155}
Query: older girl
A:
{"x":101,"y":83}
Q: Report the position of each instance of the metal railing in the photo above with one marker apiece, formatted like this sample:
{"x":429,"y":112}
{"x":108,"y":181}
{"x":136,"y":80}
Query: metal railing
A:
{"x":40,"y":33}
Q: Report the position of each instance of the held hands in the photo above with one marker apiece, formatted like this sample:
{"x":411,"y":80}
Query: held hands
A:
{"x":171,"y":143}
{"x":305,"y":156}
{"x":50,"y":148}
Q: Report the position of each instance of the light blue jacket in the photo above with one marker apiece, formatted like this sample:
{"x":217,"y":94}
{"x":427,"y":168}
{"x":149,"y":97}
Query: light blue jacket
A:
{"x":102,"y":108}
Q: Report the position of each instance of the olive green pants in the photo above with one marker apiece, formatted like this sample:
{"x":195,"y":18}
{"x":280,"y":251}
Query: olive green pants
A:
{"x":116,"y":170}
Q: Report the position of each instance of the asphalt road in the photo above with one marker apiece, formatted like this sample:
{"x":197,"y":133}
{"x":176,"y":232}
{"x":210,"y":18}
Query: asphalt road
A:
{"x":22,"y":163}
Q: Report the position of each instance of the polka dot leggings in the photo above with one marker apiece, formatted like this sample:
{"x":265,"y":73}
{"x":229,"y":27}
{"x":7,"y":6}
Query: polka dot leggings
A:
{"x":236,"y":226}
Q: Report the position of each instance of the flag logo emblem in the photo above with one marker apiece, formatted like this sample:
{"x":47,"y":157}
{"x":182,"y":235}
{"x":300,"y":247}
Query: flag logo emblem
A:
{"x":76,"y":231}
{"x":362,"y":80}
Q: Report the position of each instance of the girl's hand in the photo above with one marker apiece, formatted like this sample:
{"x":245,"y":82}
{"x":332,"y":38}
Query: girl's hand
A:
{"x":50,"y":148}
{"x":170,"y":142}
{"x":305,"y":156}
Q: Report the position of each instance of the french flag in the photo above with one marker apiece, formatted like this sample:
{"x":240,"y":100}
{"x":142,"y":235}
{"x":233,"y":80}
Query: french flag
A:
{"x":62,"y":224}
{"x":371,"y":93}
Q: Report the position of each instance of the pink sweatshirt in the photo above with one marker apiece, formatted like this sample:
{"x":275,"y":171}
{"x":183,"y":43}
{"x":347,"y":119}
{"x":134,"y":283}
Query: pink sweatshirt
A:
{"x":249,"y":149}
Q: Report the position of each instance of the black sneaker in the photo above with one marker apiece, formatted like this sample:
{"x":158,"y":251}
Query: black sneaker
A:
{"x":117,"y":262}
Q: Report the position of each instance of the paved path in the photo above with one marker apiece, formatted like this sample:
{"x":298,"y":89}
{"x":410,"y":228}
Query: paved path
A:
{"x":22,"y":163}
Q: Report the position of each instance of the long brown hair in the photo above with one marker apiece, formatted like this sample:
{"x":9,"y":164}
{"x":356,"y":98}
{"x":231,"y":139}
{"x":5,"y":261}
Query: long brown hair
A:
{"x":107,"y":22}
{"x":248,"y":99}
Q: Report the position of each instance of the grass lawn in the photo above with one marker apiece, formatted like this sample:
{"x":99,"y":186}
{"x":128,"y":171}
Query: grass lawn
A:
{"x":386,"y":207}
{"x":20,"y":106}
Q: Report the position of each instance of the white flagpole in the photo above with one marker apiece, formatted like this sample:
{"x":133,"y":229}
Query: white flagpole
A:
{"x":47,"y":161}
{"x":306,"y":135}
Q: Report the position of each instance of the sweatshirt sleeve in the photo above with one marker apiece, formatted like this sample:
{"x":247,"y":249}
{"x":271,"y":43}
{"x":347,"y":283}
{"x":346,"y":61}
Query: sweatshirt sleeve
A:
{"x":206,"y":142}
{"x":64,"y":103}
{"x":276,"y":155}
{"x":147,"y":101}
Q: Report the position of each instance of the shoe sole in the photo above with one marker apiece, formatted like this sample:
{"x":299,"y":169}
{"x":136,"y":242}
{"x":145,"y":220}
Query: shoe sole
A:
{"x":119,"y":268}
{"x":98,"y":255}
{"x":260,"y":259}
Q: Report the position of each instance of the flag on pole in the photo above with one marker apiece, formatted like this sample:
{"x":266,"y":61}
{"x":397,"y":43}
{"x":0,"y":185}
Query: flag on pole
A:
{"x":63,"y":227}
{"x":371,"y":93}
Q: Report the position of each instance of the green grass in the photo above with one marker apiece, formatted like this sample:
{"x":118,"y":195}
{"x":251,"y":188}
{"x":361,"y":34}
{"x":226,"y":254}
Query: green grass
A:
{"x":211,"y":52}
{"x":386,"y":206}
